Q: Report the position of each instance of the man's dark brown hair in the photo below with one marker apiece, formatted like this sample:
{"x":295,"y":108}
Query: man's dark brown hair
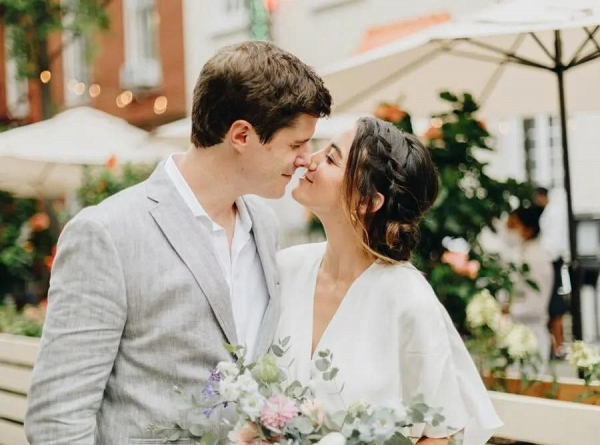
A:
{"x":257,"y":82}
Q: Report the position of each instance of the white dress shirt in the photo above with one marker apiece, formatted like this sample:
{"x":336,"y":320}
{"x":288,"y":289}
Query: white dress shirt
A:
{"x":241,"y":265}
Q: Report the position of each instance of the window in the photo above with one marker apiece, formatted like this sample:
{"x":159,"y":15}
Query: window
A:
{"x":556,"y":158}
{"x":530,"y":149}
{"x":17,"y":99}
{"x":75,"y":63}
{"x":77,"y":70}
{"x":230,"y":15}
{"x":142,"y":69}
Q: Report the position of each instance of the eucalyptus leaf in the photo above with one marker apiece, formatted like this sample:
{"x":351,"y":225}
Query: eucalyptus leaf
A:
{"x":277,"y":351}
{"x":196,"y":430}
{"x":174,"y":436}
{"x":322,"y":364}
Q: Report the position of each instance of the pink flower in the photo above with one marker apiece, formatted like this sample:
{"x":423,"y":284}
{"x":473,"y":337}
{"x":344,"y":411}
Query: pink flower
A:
{"x":460,"y":264}
{"x":313,"y":409}
{"x":278,"y":412}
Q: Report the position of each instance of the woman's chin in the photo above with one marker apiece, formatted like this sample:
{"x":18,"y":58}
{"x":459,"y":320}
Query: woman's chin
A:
{"x":300,"y":197}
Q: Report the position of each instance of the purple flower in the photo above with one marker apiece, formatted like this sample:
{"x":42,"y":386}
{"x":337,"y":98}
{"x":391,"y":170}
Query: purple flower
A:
{"x":215,"y":376}
{"x":209,"y":391}
{"x":207,"y":412}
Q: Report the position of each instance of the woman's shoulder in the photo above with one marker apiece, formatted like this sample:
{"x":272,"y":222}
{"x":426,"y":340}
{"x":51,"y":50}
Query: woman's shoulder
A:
{"x":291,"y":256}
{"x":405,"y":283}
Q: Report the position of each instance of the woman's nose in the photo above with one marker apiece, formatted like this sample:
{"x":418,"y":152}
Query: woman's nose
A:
{"x":315,"y":160}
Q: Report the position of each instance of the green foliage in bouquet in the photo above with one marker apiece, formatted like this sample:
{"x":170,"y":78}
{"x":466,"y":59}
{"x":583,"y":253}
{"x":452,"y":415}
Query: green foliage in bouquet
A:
{"x":100,"y":184}
{"x":258,"y":403}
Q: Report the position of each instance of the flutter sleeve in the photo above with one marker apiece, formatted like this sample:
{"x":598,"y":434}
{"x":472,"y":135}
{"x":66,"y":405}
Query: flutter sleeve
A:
{"x":436,"y":364}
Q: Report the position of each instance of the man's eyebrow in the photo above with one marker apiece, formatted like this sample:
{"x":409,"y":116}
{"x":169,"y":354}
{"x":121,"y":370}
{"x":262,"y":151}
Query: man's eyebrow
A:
{"x":303,"y":141}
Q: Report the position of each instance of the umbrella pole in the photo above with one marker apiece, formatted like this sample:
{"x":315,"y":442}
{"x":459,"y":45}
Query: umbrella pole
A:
{"x":575,"y":272}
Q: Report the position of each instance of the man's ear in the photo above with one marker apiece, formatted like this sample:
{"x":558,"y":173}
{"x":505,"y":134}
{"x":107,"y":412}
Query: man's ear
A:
{"x":239,"y":135}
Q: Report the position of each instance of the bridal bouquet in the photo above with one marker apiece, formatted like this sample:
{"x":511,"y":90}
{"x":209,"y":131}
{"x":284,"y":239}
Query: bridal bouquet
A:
{"x":257,"y":404}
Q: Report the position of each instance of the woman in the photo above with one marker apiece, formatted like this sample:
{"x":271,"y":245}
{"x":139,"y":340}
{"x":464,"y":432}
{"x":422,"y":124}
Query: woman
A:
{"x":529,"y":305}
{"x":358,"y":296}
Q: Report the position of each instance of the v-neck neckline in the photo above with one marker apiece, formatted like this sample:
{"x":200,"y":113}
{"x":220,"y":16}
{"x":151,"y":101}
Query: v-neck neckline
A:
{"x":313,"y":282}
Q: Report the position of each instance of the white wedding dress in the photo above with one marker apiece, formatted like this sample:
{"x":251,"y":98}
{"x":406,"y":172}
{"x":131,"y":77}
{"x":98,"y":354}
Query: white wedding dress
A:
{"x":391,"y":338}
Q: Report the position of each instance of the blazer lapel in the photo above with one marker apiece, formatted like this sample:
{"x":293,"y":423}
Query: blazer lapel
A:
{"x":265,"y":237}
{"x":192,"y":242}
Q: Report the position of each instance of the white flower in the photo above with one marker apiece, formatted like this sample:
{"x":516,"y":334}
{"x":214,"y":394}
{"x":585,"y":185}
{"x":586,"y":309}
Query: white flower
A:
{"x":246,"y":384}
{"x":469,"y":183}
{"x":228,"y":369}
{"x":358,"y":408}
{"x":383,"y":425}
{"x":252,"y":405}
{"x":582,"y":356}
{"x":398,"y":410}
{"x":519,"y":340}
{"x":332,"y":439}
{"x":484,"y":310}
{"x":228,"y":388}
{"x":365,"y":430}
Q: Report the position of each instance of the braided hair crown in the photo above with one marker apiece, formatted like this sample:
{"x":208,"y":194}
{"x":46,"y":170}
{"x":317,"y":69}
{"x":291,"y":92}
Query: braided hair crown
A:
{"x":384,"y":160}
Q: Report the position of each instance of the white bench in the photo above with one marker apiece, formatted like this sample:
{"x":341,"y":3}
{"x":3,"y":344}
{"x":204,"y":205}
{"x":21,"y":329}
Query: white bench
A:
{"x":17,"y":356}
{"x":546,"y":421}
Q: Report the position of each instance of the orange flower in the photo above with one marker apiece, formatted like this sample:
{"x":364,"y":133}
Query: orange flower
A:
{"x":39,"y":222}
{"x":111,"y":164}
{"x":482,"y":124}
{"x":389,"y":112}
{"x":433,"y":132}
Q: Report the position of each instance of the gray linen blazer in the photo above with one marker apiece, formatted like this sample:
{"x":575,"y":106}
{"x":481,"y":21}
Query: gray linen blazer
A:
{"x":138,"y":303}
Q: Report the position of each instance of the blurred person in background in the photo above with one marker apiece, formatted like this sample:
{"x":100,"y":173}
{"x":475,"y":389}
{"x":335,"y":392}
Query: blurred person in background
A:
{"x":529,"y":306}
{"x":554,"y":239}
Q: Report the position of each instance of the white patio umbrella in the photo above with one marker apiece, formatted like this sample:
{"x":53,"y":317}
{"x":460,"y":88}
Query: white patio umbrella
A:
{"x":45,"y":159}
{"x":517,"y":58}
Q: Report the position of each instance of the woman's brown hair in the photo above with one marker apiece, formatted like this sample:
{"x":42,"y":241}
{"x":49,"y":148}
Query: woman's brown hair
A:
{"x":397,"y":165}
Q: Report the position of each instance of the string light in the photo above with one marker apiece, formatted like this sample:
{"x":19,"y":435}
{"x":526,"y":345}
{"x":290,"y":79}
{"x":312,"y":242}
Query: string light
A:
{"x":124,"y":99}
{"x":79,"y":88}
{"x":45,"y":76}
{"x":160,"y":105}
{"x":95,"y":90}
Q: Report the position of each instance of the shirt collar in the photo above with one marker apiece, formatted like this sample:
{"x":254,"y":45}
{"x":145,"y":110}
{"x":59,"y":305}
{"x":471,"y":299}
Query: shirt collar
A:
{"x":243,"y":217}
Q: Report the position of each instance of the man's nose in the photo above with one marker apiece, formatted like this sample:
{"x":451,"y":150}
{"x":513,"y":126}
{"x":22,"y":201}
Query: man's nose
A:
{"x":303,"y":158}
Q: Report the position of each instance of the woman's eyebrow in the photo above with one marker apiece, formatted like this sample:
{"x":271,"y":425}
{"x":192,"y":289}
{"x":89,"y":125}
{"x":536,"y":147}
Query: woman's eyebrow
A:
{"x":338,"y":149}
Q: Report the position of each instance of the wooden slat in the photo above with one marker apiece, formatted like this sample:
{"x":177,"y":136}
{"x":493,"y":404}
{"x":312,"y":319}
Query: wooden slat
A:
{"x":15,"y":378}
{"x":18,"y":349}
{"x":12,"y":434}
{"x":551,"y":422}
{"x":13,"y":406}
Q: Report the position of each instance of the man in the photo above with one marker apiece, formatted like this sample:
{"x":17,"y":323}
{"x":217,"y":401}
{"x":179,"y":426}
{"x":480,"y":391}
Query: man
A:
{"x":148,"y":285}
{"x":555,"y":240}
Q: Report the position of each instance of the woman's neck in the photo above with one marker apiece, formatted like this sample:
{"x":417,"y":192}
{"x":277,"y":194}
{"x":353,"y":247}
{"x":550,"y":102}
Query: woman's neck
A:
{"x":345,"y":258}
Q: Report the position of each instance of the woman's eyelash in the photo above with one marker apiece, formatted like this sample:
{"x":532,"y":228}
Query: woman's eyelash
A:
{"x":330,"y":159}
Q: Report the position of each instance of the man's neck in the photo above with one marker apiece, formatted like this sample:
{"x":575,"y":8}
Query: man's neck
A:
{"x":208,"y":175}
